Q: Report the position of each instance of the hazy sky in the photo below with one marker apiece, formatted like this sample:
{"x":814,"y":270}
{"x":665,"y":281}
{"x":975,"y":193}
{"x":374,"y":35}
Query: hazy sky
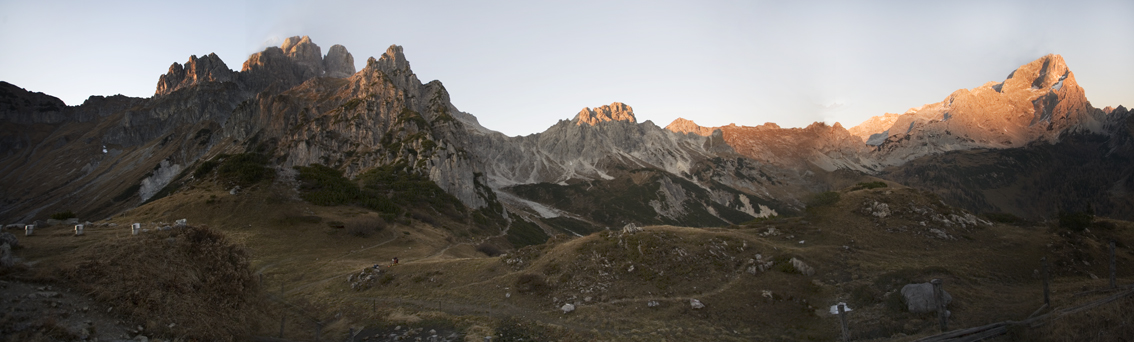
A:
{"x":520,"y":66}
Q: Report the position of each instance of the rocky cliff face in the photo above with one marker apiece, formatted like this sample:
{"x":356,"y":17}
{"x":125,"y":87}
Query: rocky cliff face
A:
{"x":602,"y":167}
{"x":817,"y":146}
{"x":381,"y":115}
{"x":613,"y":112}
{"x":598,"y":163}
{"x":1084,"y":170}
{"x":338,"y":63}
{"x":206,"y":69}
{"x":20,"y":106}
{"x":1039,"y":101}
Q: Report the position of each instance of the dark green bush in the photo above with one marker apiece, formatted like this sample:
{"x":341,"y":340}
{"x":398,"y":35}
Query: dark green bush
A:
{"x":822,"y":199}
{"x":325,"y":186}
{"x":205,"y":168}
{"x":870,"y":185}
{"x":63,"y":215}
{"x":523,"y":233}
{"x":245,"y":169}
{"x":1075,"y":220}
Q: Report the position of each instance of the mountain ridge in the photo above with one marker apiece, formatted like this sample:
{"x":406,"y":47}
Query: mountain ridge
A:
{"x":298,"y":107}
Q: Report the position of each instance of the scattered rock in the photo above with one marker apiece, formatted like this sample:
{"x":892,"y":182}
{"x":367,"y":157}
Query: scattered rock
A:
{"x":919,"y":298}
{"x":876,"y":209}
{"x":696,"y":304}
{"x":652,"y":303}
{"x":567,"y":308}
{"x":802,"y":267}
{"x":365,"y":279}
{"x":6,"y":257}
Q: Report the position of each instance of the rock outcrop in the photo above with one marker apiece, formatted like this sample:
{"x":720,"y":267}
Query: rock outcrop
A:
{"x":817,"y":146}
{"x":338,"y":63}
{"x":1039,"y":101}
{"x":919,"y":298}
{"x":20,"y":106}
{"x":616,"y":111}
{"x":209,"y":68}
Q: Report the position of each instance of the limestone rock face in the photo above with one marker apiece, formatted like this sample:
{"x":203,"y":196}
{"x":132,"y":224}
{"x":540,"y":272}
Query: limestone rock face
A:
{"x":305,"y":54}
{"x":1039,"y":101}
{"x":682,"y":125}
{"x":394,"y":64}
{"x":873,"y":131}
{"x":613,"y":112}
{"x":338,"y":63}
{"x":818,"y":145}
{"x":209,"y":68}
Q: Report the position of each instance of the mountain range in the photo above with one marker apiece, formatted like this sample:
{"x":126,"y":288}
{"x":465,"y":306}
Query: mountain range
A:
{"x":1030,"y":145}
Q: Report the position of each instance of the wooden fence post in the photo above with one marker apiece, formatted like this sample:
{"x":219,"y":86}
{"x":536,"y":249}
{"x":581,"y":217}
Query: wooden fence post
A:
{"x":938,"y":296}
{"x":282,"y":318}
{"x":1046,"y":279}
{"x":843,"y":321}
{"x":1113,"y":281}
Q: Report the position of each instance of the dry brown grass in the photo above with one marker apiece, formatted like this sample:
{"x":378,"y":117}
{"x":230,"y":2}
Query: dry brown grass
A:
{"x":189,"y":276}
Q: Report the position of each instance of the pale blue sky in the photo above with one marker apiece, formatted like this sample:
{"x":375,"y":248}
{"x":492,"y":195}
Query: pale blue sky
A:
{"x":520,"y":66}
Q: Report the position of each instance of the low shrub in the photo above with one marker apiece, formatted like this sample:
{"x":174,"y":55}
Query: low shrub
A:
{"x":365,"y":227}
{"x":1076,"y":220}
{"x":870,"y":185}
{"x":488,"y":249}
{"x":245,"y":169}
{"x":63,"y":215}
{"x":822,"y":199}
{"x":532,"y":283}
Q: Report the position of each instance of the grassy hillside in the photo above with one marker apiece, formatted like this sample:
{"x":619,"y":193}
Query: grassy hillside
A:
{"x":633,"y":286}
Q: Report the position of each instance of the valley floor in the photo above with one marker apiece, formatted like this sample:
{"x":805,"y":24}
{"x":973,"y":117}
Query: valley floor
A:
{"x":624,"y":286}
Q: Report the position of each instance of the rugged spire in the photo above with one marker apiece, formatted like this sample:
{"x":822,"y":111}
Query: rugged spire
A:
{"x":616,"y":111}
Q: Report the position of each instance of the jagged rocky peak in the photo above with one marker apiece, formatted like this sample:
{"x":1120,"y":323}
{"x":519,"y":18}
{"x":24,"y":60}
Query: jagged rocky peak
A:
{"x":616,"y":111}
{"x":305,"y":54}
{"x":394,"y":65}
{"x":874,"y":127}
{"x":338,"y":62}
{"x":1047,"y":72}
{"x":682,"y":125}
{"x":209,"y":68}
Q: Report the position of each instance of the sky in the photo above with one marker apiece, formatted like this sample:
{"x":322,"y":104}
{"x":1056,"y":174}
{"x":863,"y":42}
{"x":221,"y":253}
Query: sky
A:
{"x":521,"y":66}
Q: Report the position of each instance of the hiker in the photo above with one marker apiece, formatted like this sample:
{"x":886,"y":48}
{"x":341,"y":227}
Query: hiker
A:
{"x":395,"y":260}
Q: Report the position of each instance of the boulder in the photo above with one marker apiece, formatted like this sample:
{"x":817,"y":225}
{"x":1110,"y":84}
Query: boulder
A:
{"x":696,"y":304}
{"x":919,"y":298}
{"x":6,"y":257}
{"x":631,"y":228}
{"x":567,"y":308}
{"x":802,"y":267}
{"x":10,"y":239}
{"x":338,"y":63}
